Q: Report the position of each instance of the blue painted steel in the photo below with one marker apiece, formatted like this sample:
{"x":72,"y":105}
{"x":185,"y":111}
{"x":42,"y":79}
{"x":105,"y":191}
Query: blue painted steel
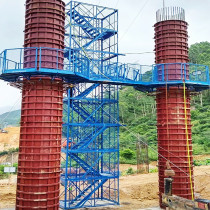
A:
{"x":91,"y":172}
{"x":143,"y":77}
{"x":91,"y":55}
{"x":92,"y":39}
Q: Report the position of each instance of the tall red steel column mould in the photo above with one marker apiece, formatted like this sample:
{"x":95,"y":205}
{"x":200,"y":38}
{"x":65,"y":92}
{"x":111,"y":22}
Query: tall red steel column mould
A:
{"x":42,"y":104}
{"x":171,"y":47}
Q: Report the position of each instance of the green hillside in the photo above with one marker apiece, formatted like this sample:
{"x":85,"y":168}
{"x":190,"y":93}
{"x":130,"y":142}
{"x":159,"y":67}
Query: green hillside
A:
{"x":138,"y":113}
{"x":10,"y":118}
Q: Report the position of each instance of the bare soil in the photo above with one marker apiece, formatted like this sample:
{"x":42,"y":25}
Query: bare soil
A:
{"x":136,"y":191}
{"x":11,"y":139}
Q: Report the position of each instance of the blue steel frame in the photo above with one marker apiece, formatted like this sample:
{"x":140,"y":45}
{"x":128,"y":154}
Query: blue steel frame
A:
{"x":91,"y":173}
{"x":145,"y":78}
{"x":91,"y":36}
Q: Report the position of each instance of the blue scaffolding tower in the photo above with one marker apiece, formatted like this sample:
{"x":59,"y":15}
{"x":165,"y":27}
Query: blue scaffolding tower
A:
{"x":91,"y":175}
{"x":92,"y":73}
{"x":91,"y":172}
{"x":91,"y":38}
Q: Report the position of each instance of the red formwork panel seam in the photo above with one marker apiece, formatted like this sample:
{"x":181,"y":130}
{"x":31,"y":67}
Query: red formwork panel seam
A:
{"x":51,"y":207}
{"x":38,"y":2}
{"x":179,"y":188}
{"x":41,"y":193}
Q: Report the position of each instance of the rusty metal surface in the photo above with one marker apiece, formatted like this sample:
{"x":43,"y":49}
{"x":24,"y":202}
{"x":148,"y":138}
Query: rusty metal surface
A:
{"x":177,"y":203}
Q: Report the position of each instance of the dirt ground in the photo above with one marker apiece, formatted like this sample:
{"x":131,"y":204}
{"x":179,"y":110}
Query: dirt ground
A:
{"x":136,"y":191}
{"x":10,"y":139}
{"x":141,"y":191}
{"x":7,"y":192}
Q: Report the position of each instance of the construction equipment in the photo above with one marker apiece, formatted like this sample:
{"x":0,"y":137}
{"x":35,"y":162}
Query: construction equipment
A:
{"x":169,"y":172}
{"x":2,"y":130}
{"x":173,"y":202}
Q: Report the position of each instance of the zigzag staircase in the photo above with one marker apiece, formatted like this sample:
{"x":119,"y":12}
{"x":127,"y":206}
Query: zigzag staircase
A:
{"x":86,"y":193}
{"x":93,"y":34}
{"x":89,"y":29}
{"x":90,"y":138}
{"x":86,"y":174}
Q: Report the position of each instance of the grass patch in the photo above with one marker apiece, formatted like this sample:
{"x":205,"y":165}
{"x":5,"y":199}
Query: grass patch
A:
{"x":9,"y":152}
{"x":153,"y":170}
{"x":201,"y":162}
{"x":6,"y":175}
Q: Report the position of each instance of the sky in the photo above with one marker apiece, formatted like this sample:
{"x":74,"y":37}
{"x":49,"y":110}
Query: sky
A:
{"x":136,"y":32}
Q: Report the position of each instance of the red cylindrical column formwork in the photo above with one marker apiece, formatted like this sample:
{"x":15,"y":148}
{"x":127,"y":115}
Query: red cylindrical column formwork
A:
{"x":42,"y":104}
{"x":40,"y":144}
{"x":171,"y":47}
{"x":172,"y":141}
{"x":44,"y":34}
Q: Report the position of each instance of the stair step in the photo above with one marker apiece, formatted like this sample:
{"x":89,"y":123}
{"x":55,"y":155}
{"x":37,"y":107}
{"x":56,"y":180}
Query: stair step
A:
{"x":90,"y":30}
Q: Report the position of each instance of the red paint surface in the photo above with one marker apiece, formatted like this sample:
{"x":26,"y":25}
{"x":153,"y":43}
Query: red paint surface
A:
{"x":171,"y":42}
{"x":40,"y":144}
{"x":171,"y":46}
{"x":172,"y":142}
{"x":38,"y":182}
{"x":44,"y":27}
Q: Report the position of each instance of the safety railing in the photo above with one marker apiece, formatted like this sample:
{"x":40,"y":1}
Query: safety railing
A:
{"x":32,"y":59}
{"x":1,"y":62}
{"x":122,"y":73}
{"x":78,"y":63}
{"x":180,"y":72}
{"x":52,"y":60}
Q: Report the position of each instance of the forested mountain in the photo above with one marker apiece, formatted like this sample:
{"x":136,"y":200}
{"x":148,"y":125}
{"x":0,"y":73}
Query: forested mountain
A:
{"x":138,"y":112}
{"x":199,"y":53}
{"x":10,"y":118}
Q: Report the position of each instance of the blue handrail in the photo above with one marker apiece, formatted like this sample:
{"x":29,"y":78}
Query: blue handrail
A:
{"x":19,"y":60}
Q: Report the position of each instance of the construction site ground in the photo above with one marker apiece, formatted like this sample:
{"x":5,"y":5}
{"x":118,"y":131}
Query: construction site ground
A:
{"x":138,"y":191}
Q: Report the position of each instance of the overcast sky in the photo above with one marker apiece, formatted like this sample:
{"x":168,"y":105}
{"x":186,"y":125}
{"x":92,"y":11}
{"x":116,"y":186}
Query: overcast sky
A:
{"x":136,"y":20}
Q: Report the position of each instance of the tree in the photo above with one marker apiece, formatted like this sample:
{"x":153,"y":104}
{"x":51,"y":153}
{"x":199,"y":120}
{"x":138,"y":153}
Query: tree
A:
{"x":199,"y":53}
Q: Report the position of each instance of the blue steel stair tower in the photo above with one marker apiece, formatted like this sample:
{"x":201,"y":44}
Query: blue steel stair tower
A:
{"x":91,"y":175}
{"x":92,"y":158}
{"x":91,"y":72}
